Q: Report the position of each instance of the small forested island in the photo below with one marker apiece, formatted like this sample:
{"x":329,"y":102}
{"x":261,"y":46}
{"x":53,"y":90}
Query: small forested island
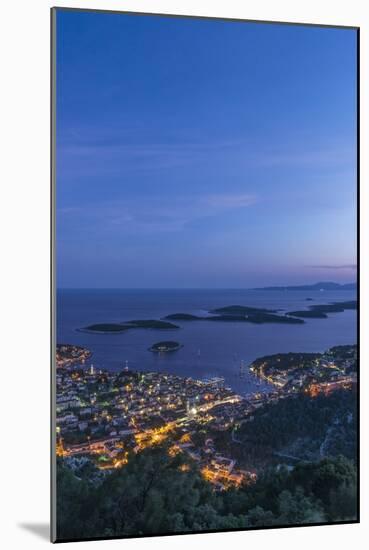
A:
{"x":335,"y":307}
{"x":104,"y":328}
{"x":241,"y":310}
{"x":163,"y":347}
{"x":258,"y":318}
{"x":183,"y":317}
{"x":113,"y":328}
{"x":152,"y":323}
{"x":236,"y":313}
{"x":319,"y":311}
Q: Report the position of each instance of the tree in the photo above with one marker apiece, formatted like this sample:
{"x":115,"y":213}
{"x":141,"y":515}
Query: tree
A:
{"x":296,"y":509}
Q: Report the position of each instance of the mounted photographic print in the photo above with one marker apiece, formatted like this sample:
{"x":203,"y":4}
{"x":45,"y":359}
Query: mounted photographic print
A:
{"x":204,"y":273}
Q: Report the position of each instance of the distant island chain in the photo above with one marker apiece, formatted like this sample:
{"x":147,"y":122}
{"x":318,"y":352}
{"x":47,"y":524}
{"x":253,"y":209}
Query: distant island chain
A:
{"x":233,"y":313}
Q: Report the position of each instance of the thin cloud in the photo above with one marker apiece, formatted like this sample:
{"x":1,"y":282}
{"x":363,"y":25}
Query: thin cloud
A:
{"x":229,"y":201}
{"x":161,"y":214}
{"x":332,"y":155}
{"x":173,"y":214}
{"x":115,"y":160}
{"x":331,"y":266}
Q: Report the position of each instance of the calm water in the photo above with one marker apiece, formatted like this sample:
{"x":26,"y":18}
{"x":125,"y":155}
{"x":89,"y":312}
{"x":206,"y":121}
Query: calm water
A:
{"x":209,"y":348}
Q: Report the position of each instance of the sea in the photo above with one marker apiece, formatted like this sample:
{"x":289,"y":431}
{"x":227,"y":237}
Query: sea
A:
{"x":209,"y":349}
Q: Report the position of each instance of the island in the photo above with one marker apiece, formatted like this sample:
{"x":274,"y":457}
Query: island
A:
{"x":320,"y":311}
{"x":251,"y":315}
{"x":183,"y":317}
{"x":164,"y":347}
{"x":152,"y":323}
{"x":116,"y":328}
{"x":104,"y":328}
{"x":258,"y":318}
{"x":335,"y":307}
{"x":317,"y":286}
{"x":232,"y":313}
{"x":241,"y":310}
{"x":237,"y":313}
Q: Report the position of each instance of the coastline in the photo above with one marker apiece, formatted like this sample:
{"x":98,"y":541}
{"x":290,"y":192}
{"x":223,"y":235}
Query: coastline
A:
{"x":210,"y":348}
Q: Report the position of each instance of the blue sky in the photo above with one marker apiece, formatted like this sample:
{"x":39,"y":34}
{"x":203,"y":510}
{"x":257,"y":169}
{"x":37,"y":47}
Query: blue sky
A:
{"x":198,"y":153}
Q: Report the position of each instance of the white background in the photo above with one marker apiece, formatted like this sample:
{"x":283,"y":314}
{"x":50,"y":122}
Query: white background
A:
{"x":24,"y":271}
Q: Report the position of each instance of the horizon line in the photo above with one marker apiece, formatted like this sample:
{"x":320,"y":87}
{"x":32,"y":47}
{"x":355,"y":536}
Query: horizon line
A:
{"x":200,"y":288}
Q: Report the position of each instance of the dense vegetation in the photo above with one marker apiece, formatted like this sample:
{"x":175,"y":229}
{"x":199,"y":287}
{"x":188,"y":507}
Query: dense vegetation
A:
{"x":235,"y":313}
{"x":310,"y":428}
{"x":152,"y":323}
{"x":104,"y":327}
{"x":257,"y":318}
{"x":242,"y":314}
{"x":335,"y":307}
{"x":165,"y":346}
{"x":152,"y":495}
{"x":242,"y":310}
{"x":284,"y":362}
{"x":319,"y":311}
{"x":183,"y":317}
{"x":121,"y":327}
{"x":251,"y":315}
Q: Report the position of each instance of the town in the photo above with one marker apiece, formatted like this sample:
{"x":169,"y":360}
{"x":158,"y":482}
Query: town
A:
{"x":108,"y":416}
{"x":312,"y":373}
{"x":68,"y":355}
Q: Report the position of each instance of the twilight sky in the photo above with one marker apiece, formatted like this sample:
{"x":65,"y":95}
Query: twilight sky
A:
{"x":197,"y":153}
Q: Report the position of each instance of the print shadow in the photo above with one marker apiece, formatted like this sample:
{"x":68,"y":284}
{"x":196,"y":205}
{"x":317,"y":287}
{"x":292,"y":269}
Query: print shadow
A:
{"x":42,"y":530}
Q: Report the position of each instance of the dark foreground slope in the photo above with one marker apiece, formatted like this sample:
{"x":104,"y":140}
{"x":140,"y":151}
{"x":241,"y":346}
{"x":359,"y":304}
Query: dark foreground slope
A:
{"x":156,"y":494}
{"x":153,"y":496}
{"x":306,"y":428}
